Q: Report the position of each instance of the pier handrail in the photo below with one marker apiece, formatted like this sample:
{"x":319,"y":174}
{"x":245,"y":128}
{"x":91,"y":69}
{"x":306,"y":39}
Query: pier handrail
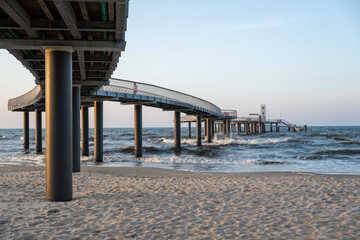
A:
{"x":26,"y":99}
{"x":132,"y":87}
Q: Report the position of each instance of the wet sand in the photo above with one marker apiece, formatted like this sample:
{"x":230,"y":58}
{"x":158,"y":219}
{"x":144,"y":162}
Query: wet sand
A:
{"x":150,"y":203}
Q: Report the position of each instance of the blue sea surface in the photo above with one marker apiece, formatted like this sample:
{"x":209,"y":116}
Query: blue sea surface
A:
{"x":329,"y":150}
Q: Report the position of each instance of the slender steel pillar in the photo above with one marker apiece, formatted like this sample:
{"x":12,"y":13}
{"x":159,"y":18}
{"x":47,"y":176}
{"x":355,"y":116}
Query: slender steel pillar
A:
{"x":209,"y":135}
{"x":198,"y":131}
{"x":85,"y":130}
{"x":260,"y":125}
{"x":227,"y":126}
{"x":98,"y":131}
{"x":238,"y":129}
{"x":205,"y":127}
{"x":138,"y":131}
{"x":26,"y":130}
{"x":76,"y":127}
{"x":177,"y":130}
{"x":270,"y":127}
{"x":38,"y":131}
{"x":58,"y":105}
{"x":212,"y":128}
{"x":189,"y":129}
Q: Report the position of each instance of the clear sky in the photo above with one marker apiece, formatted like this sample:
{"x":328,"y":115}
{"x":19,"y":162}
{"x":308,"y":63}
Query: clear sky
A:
{"x":300,"y":58}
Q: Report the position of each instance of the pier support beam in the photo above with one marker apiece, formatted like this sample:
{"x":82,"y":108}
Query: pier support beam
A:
{"x":76,"y":127}
{"x":138,"y":131}
{"x":209,"y":132}
{"x":260,"y":125}
{"x":58,"y":104}
{"x":38,"y":131}
{"x":227,"y":127}
{"x":253,"y":128}
{"x":177,"y":130}
{"x":205,"y":128}
{"x":198,"y":131}
{"x":246,"y":128}
{"x":85,"y":130}
{"x":98,"y":131}
{"x":189,"y":129}
{"x":26,"y":130}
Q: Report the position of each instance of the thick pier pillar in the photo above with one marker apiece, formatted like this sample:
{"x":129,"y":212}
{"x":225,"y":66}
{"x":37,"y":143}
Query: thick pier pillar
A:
{"x":227,"y":127}
{"x":246,"y":128}
{"x":38,"y":131}
{"x":58,"y":103}
{"x":260,"y":125}
{"x":253,"y":128}
{"x":76,"y":127}
{"x":85,"y":130}
{"x":26,"y":130}
{"x":305,"y":128}
{"x":177,"y":130}
{"x":189,"y":129}
{"x":205,"y":127}
{"x":198,"y":131}
{"x":294,"y":129}
{"x":277,"y":128}
{"x":138,"y":131}
{"x":98,"y":131}
{"x":209,"y":132}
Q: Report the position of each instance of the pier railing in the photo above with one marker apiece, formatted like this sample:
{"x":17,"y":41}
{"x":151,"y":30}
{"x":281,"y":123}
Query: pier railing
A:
{"x":26,"y":99}
{"x":131,"y":87}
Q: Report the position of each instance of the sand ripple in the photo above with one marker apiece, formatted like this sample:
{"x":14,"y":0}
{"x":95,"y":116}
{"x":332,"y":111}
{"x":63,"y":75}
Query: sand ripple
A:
{"x":183,"y":206}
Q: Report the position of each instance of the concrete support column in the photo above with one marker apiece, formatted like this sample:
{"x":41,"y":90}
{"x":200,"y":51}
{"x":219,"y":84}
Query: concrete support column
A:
{"x":76,"y":127}
{"x":38,"y":131}
{"x":198,"y":131}
{"x":227,"y":126}
{"x":212,"y":128}
{"x":177,"y":130}
{"x":138,"y":130}
{"x":58,"y":104}
{"x":189,"y":129}
{"x":253,"y":128}
{"x":205,"y":127}
{"x":85,"y":130}
{"x":246,"y":128}
{"x":260,"y":125}
{"x":98,"y":131}
{"x":26,"y":130}
{"x":209,"y":132}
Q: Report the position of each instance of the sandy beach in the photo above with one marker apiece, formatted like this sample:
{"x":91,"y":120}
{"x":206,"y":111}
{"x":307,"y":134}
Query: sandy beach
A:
{"x":149,"y":203}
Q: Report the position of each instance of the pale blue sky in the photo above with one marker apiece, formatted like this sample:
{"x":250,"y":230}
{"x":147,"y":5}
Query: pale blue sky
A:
{"x":300,"y":58}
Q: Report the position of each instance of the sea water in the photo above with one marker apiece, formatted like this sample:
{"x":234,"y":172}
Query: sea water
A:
{"x":319,"y":150}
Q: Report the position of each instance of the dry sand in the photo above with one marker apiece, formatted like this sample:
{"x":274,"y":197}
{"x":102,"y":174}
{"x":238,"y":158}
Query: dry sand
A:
{"x":147,"y":203}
